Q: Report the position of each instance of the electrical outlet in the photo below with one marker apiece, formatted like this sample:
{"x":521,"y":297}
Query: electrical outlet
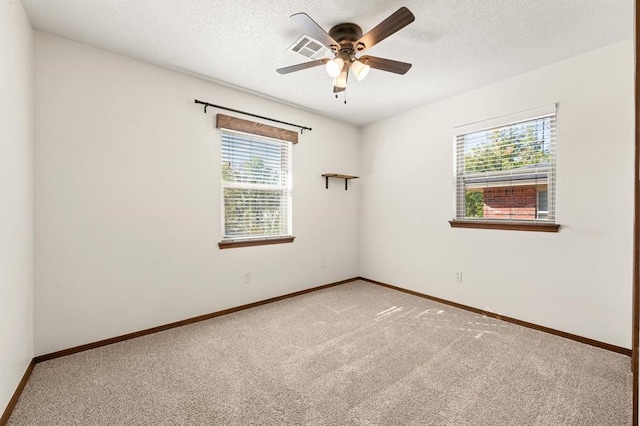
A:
{"x":323,"y":263}
{"x":247,"y":277}
{"x":458,"y":277}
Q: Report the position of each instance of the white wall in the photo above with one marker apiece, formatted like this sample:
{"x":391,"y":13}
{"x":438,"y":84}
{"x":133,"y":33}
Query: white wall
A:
{"x":127,"y":195}
{"x":16,"y":196}
{"x":578,"y":280}
{"x":127,"y":189}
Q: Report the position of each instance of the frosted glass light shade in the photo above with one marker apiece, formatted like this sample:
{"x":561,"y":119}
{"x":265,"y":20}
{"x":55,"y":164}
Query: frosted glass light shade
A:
{"x":334,"y":67}
{"x":360,"y":70}
{"x":341,"y":80}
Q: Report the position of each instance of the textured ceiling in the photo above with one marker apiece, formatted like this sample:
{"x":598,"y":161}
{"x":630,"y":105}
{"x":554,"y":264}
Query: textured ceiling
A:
{"x":454,"y":45}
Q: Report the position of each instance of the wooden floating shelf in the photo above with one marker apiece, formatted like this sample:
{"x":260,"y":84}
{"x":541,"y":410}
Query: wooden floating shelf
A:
{"x":338,"y":176}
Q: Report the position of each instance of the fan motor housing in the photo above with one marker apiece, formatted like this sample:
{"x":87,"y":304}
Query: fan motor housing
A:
{"x":346,"y":34}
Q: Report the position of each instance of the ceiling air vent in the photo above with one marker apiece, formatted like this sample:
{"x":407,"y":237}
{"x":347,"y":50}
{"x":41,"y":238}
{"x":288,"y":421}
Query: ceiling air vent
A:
{"x":310,"y":48}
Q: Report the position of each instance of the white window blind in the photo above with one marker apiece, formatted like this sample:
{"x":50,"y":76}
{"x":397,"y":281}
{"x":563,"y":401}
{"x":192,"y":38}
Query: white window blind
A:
{"x":507,"y":172}
{"x":256,"y":186}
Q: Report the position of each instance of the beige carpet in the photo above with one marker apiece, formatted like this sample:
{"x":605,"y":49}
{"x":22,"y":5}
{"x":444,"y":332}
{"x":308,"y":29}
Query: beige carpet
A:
{"x":356,"y":354}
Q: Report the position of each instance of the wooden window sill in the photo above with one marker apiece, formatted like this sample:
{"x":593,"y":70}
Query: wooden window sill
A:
{"x":256,"y":242}
{"x":507,"y":226}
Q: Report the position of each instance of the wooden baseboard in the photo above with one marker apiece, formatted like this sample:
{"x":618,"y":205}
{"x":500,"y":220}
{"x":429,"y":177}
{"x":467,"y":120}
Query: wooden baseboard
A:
{"x":187,"y":321}
{"x":14,"y":399}
{"x":566,"y":335}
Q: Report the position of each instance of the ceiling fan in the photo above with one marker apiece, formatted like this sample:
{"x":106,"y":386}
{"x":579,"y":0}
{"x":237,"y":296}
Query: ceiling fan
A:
{"x":346,"y":41}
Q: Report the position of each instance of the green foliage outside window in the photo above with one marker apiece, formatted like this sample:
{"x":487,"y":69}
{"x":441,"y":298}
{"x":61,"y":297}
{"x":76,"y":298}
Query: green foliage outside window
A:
{"x":250,"y":212}
{"x":473,"y":204}
{"x":507,"y":149}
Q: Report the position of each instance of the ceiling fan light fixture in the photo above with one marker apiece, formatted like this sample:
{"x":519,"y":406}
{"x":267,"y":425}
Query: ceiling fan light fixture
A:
{"x":334,"y":67}
{"x":346,"y":40}
{"x":341,"y":80}
{"x":360,"y":70}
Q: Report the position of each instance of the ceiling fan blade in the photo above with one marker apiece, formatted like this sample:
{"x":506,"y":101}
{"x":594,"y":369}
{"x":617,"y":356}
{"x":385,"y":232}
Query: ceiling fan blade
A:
{"x":302,"y":66}
{"x":314,"y":30}
{"x":397,"y":21}
{"x":385,"y":64}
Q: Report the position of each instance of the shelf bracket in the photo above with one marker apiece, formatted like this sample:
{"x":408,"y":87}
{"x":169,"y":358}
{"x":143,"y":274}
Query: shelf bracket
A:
{"x":338,"y":176}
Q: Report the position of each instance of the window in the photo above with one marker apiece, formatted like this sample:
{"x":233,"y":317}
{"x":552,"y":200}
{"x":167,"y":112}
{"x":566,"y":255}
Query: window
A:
{"x":542,"y":209}
{"x":256,"y":189}
{"x":506,"y":173}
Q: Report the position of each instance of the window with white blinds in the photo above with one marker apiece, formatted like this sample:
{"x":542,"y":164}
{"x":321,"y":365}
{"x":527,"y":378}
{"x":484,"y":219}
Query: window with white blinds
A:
{"x":256,"y":187}
{"x":506,"y":173}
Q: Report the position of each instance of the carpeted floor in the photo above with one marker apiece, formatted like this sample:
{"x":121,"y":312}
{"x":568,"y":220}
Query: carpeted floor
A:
{"x":355,"y":354}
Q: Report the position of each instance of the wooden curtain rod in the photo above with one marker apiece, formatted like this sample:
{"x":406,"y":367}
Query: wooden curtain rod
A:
{"x":207,"y":104}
